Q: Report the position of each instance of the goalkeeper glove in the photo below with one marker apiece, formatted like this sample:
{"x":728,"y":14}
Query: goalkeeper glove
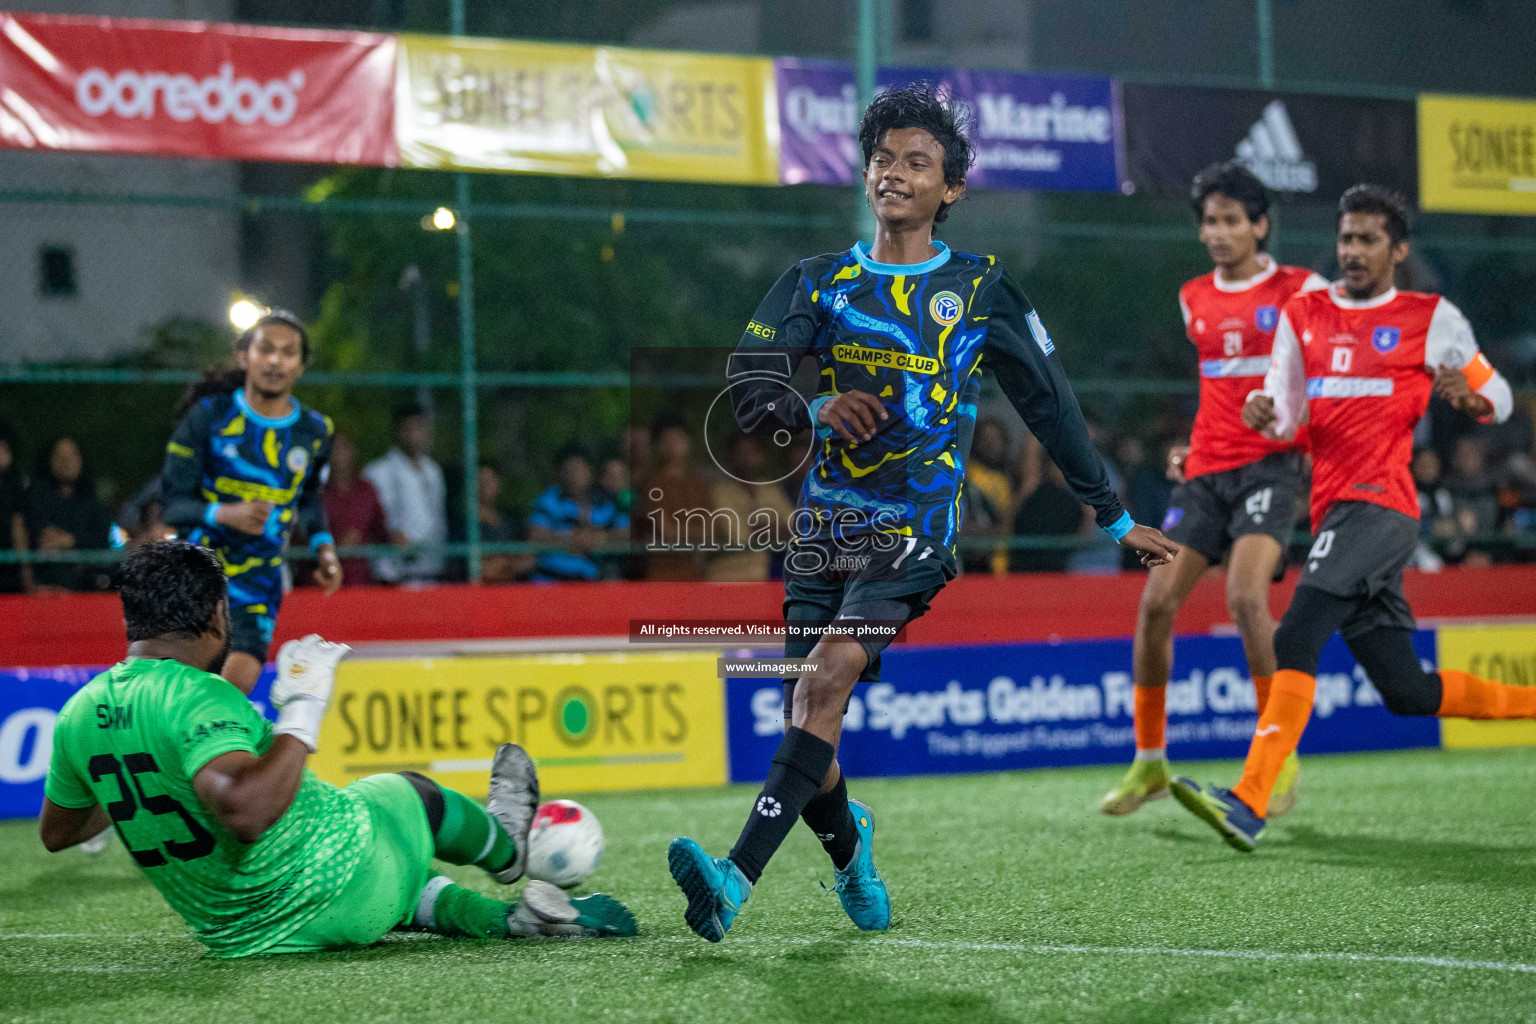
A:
{"x":306,"y":672}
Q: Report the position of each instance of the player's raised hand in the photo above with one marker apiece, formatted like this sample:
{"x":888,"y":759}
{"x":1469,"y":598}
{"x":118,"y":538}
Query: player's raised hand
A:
{"x":306,"y":674}
{"x":1259,"y":412}
{"x":1155,"y":549}
{"x":245,"y":516}
{"x":1177,"y":456}
{"x":327,"y":574}
{"x":853,"y":416}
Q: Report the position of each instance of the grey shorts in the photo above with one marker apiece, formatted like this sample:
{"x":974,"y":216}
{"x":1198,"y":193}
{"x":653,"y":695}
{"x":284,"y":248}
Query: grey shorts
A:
{"x":1210,"y":512}
{"x":1359,"y":553}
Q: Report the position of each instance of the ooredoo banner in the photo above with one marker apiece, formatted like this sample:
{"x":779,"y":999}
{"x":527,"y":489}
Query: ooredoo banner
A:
{"x":195,"y":89}
{"x":1031,"y":131}
{"x":993,"y":707}
{"x":1301,"y":145}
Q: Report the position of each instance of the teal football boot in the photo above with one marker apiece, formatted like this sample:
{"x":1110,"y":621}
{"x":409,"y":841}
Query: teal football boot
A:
{"x":715,"y":887}
{"x":1222,"y":810}
{"x":859,"y":885}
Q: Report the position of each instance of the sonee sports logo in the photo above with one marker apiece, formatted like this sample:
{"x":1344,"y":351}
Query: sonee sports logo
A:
{"x":768,"y":807}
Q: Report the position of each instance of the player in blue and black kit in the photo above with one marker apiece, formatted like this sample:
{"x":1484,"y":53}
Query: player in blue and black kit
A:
{"x":899,"y":331}
{"x":242,"y":469}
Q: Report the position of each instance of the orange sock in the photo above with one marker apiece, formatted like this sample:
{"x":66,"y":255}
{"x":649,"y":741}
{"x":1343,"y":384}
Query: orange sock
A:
{"x":1151,"y":717}
{"x":1261,"y":691}
{"x":1466,"y":696}
{"x":1280,"y":728}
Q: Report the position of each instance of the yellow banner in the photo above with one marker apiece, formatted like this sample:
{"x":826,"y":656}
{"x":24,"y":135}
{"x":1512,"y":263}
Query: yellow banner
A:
{"x":590,"y":721}
{"x":1477,"y":155}
{"x":502,"y":105}
{"x":1506,"y":654}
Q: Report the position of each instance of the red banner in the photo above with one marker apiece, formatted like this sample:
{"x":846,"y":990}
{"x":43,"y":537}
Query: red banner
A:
{"x":194,"y":89}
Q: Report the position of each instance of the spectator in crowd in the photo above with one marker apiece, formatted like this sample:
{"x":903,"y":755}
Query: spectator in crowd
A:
{"x":1435,"y":507}
{"x":410,"y":487}
{"x":990,"y":496}
{"x":579,"y":517}
{"x":1474,"y":495}
{"x":354,"y":511}
{"x":1048,"y":509}
{"x":496,"y":528}
{"x":1147,"y":483}
{"x":13,"y":523}
{"x":614,"y":481}
{"x":674,"y":504}
{"x":759,"y":515}
{"x":636,"y":452}
{"x":62,"y":514}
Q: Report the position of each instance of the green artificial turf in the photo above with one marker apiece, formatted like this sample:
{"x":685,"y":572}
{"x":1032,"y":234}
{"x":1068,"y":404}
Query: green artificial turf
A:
{"x":1014,"y":900}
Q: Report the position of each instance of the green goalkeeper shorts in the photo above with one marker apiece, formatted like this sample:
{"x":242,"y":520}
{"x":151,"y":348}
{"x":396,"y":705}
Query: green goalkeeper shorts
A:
{"x":383,"y":891}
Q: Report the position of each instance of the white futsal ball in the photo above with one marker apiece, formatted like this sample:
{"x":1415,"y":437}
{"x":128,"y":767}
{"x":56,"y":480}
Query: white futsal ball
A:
{"x":565,"y":844}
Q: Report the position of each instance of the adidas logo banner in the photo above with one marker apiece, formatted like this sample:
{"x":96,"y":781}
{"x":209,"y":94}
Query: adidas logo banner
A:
{"x":1304,"y":146}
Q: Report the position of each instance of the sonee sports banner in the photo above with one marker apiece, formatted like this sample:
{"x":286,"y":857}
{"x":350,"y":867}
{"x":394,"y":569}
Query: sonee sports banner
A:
{"x":194,"y":89}
{"x":995,"y":707}
{"x":1303,"y":146}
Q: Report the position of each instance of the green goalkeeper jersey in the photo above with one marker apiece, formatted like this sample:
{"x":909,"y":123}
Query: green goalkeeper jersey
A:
{"x":133,"y":738}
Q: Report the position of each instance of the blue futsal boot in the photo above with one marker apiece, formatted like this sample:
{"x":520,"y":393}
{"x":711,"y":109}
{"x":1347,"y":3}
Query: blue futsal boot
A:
{"x":715,"y":887}
{"x":859,"y":886}
{"x":1222,"y":810}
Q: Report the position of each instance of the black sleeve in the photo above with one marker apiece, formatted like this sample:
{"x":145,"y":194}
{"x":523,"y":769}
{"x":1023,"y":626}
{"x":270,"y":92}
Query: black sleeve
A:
{"x":311,"y":504}
{"x":181,"y":479}
{"x":777,"y":337}
{"x":1020,"y":352}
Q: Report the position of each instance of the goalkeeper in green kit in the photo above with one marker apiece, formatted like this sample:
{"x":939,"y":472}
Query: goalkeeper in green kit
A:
{"x":215,"y":804}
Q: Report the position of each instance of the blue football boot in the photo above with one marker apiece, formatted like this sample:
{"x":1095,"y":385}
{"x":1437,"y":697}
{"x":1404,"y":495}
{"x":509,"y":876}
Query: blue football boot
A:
{"x":1221,"y":810}
{"x":715,"y":887}
{"x":859,"y":885}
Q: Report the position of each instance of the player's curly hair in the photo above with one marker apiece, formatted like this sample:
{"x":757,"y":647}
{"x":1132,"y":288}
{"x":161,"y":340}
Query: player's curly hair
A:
{"x":920,"y":105}
{"x":223,"y":380}
{"x":1231,"y":179}
{"x":1377,"y":199}
{"x":170,"y":588}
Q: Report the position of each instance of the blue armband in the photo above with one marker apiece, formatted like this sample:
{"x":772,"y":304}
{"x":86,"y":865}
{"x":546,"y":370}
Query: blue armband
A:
{"x":1120,"y":527}
{"x":319,"y":540}
{"x":211,"y":514}
{"x":822,"y":430}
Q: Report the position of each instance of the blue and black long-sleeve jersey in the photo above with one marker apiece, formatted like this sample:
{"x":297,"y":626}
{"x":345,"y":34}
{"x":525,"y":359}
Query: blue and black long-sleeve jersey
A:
{"x":223,"y":451}
{"x":915,"y":337}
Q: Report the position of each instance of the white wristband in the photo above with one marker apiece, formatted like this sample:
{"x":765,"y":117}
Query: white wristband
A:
{"x":300,"y":718}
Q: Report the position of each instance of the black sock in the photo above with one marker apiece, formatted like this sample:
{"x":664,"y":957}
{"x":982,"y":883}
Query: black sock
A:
{"x":830,"y":817}
{"x":799,"y":766}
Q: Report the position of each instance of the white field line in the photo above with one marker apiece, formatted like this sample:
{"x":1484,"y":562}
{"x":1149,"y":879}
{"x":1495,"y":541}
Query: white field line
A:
{"x":946,"y":946}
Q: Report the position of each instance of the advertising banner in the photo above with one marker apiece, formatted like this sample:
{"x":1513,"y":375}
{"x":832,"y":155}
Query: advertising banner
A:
{"x":1010,"y":706}
{"x":30,"y":702}
{"x":503,"y":105}
{"x":1032,"y":131}
{"x":1505,"y":654}
{"x":194,"y":89}
{"x":1303,"y":146}
{"x":1477,"y":155}
{"x":590,"y":721}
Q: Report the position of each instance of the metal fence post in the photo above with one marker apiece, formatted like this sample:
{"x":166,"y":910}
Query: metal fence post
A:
{"x":468,"y":396}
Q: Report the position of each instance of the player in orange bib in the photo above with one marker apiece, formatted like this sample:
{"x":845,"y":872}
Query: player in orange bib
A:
{"x":1363,"y":359}
{"x":1238,"y":490}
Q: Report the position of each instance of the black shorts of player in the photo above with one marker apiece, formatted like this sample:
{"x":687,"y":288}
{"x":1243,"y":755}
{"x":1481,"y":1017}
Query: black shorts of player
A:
{"x":1359,"y":554}
{"x":250,"y":629}
{"x":855,"y":579}
{"x":1209,"y":513}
